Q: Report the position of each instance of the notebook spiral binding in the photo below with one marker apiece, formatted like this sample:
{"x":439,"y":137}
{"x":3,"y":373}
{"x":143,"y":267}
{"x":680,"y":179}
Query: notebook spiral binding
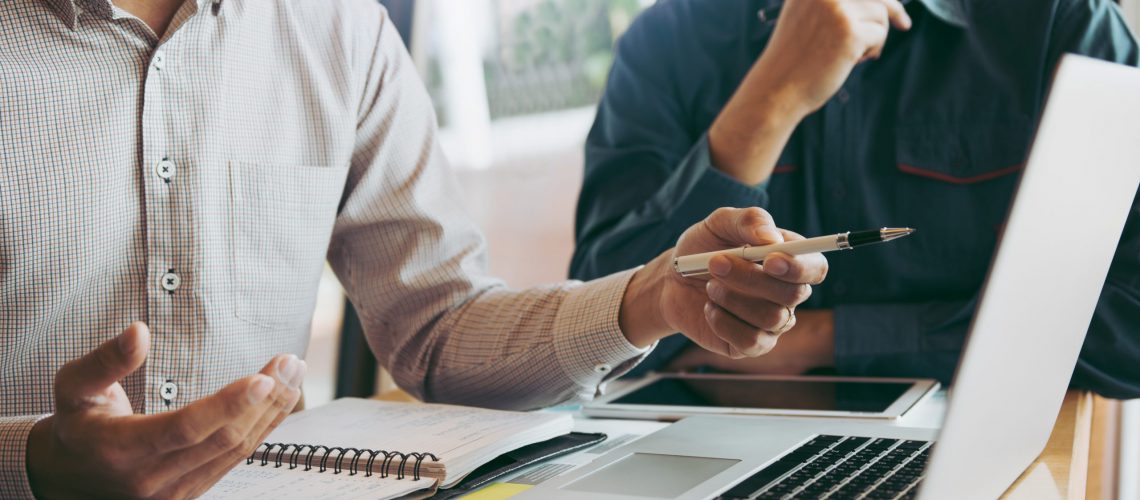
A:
{"x":338,"y":457}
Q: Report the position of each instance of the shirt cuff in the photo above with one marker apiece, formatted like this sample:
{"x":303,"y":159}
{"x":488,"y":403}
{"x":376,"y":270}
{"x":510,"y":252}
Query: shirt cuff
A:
{"x":588,"y":341}
{"x":14,"y":433}
{"x":697,"y":188}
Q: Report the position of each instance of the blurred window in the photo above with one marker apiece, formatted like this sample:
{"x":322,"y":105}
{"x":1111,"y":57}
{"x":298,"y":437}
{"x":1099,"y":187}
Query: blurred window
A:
{"x":537,"y":55}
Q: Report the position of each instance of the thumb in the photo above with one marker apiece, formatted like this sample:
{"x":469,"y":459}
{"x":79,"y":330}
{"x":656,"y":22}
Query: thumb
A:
{"x":744,"y":226}
{"x":89,"y":376}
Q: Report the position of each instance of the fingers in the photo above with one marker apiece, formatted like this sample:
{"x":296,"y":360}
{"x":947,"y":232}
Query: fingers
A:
{"x":761,"y":281}
{"x":230,"y":449}
{"x":236,"y":406}
{"x":760,"y":314}
{"x":810,"y":269}
{"x":749,"y":307}
{"x":884,"y":12}
{"x":89,"y":376}
{"x":743,"y":226}
{"x":897,"y":14}
{"x":877,"y":17}
{"x":743,"y":338}
{"x":284,"y":400}
{"x":752,"y":282}
{"x":248,"y":408}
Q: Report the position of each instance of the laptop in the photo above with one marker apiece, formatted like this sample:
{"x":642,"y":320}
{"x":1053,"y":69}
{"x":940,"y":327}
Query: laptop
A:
{"x":1043,"y":284}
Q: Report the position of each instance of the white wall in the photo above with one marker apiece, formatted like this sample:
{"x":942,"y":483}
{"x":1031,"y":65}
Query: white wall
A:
{"x":1132,"y":12}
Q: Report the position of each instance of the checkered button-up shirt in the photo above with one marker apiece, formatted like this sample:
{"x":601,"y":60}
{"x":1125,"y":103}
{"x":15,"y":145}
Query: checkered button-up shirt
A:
{"x":198,"y":181}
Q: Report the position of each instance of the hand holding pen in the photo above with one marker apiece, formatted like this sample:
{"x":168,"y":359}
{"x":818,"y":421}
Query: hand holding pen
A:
{"x":698,"y":264}
{"x":742,"y":308}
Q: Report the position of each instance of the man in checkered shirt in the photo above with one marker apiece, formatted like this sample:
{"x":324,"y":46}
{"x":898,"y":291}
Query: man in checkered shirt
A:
{"x":174,"y":175}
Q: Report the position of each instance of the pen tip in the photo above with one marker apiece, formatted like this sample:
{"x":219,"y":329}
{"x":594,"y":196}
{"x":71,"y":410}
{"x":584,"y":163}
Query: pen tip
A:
{"x":890,"y":233}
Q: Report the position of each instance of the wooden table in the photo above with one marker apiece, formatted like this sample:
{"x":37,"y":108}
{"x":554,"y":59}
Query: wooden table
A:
{"x":1062,"y":469}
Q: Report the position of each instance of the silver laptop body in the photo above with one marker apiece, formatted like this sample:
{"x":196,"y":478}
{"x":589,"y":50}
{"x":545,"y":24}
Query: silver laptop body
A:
{"x":1044,"y":282}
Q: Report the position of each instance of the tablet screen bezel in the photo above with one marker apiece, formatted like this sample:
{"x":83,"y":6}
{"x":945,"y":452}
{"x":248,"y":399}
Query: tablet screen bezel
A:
{"x":608,"y":406}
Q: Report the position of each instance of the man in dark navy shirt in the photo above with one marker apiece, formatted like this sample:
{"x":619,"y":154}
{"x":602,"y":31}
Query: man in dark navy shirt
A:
{"x":726,"y":103}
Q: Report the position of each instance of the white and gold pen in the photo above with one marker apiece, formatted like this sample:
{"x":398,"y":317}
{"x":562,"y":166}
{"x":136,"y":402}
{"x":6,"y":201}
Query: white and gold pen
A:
{"x":698,"y":264}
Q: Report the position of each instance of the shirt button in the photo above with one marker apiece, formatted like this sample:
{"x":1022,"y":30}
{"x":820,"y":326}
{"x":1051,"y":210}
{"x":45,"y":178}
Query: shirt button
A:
{"x":170,"y":282}
{"x":603,"y":368}
{"x":164,"y":169}
{"x":159,"y":60}
{"x":168,"y":391}
{"x":842,"y":96}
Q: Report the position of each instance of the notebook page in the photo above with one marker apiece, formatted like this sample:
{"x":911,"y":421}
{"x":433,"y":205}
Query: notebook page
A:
{"x":255,"y":481}
{"x":448,"y":432}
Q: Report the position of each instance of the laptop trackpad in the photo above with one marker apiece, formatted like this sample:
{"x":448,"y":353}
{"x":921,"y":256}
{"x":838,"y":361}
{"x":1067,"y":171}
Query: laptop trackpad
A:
{"x":651,"y":475}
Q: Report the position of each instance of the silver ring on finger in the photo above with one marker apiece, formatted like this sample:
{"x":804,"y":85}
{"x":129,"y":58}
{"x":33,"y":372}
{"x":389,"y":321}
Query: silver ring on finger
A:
{"x":791,"y":317}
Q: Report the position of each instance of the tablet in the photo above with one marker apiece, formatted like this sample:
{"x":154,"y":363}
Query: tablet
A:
{"x":675,"y":396}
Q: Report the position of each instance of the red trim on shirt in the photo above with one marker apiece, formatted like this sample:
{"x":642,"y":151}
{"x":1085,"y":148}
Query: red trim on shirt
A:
{"x":784,"y":169}
{"x":911,"y":169}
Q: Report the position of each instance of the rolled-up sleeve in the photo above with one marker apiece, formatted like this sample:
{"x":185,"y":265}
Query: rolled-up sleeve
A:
{"x":648,"y":174}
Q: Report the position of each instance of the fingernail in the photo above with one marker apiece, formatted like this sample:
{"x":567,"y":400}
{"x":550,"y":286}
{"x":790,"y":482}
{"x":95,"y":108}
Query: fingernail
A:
{"x":127,"y":343}
{"x":769,"y":236}
{"x":259,"y":389}
{"x":776,"y":267}
{"x":298,"y":377}
{"x":719,"y":266}
{"x":288,"y":368}
{"x":713,"y":290}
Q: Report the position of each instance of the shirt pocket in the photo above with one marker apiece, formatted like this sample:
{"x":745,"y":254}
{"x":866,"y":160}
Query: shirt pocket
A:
{"x":280,"y":224}
{"x":954,"y":183}
{"x":962,"y":154}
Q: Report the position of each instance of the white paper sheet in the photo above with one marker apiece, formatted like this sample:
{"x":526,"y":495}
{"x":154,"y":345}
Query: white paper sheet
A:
{"x":255,"y":481}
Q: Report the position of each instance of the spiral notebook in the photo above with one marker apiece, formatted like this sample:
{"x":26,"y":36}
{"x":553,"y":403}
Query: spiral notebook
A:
{"x":356,"y":448}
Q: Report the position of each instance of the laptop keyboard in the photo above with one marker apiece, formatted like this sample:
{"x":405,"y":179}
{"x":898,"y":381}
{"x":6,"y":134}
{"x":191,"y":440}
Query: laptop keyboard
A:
{"x":841,"y":468}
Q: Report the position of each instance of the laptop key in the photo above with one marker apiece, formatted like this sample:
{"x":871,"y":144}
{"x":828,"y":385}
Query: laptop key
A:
{"x":849,"y":445}
{"x":825,"y":462}
{"x":760,"y":479}
{"x":912,"y":445}
{"x":817,"y":488}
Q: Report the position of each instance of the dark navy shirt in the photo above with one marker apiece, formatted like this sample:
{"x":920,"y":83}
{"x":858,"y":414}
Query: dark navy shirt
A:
{"x":933,"y":135}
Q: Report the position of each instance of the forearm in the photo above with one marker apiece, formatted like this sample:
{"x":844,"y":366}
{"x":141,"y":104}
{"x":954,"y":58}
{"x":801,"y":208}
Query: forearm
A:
{"x":623,"y":222}
{"x":747,"y":137}
{"x":521,"y":349}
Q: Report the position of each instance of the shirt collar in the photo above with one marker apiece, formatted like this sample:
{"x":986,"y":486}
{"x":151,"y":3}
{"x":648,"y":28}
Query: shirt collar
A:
{"x":68,"y":10}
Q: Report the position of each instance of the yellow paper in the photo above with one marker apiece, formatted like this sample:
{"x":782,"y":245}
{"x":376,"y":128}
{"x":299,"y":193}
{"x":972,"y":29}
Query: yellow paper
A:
{"x":498,"y":491}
